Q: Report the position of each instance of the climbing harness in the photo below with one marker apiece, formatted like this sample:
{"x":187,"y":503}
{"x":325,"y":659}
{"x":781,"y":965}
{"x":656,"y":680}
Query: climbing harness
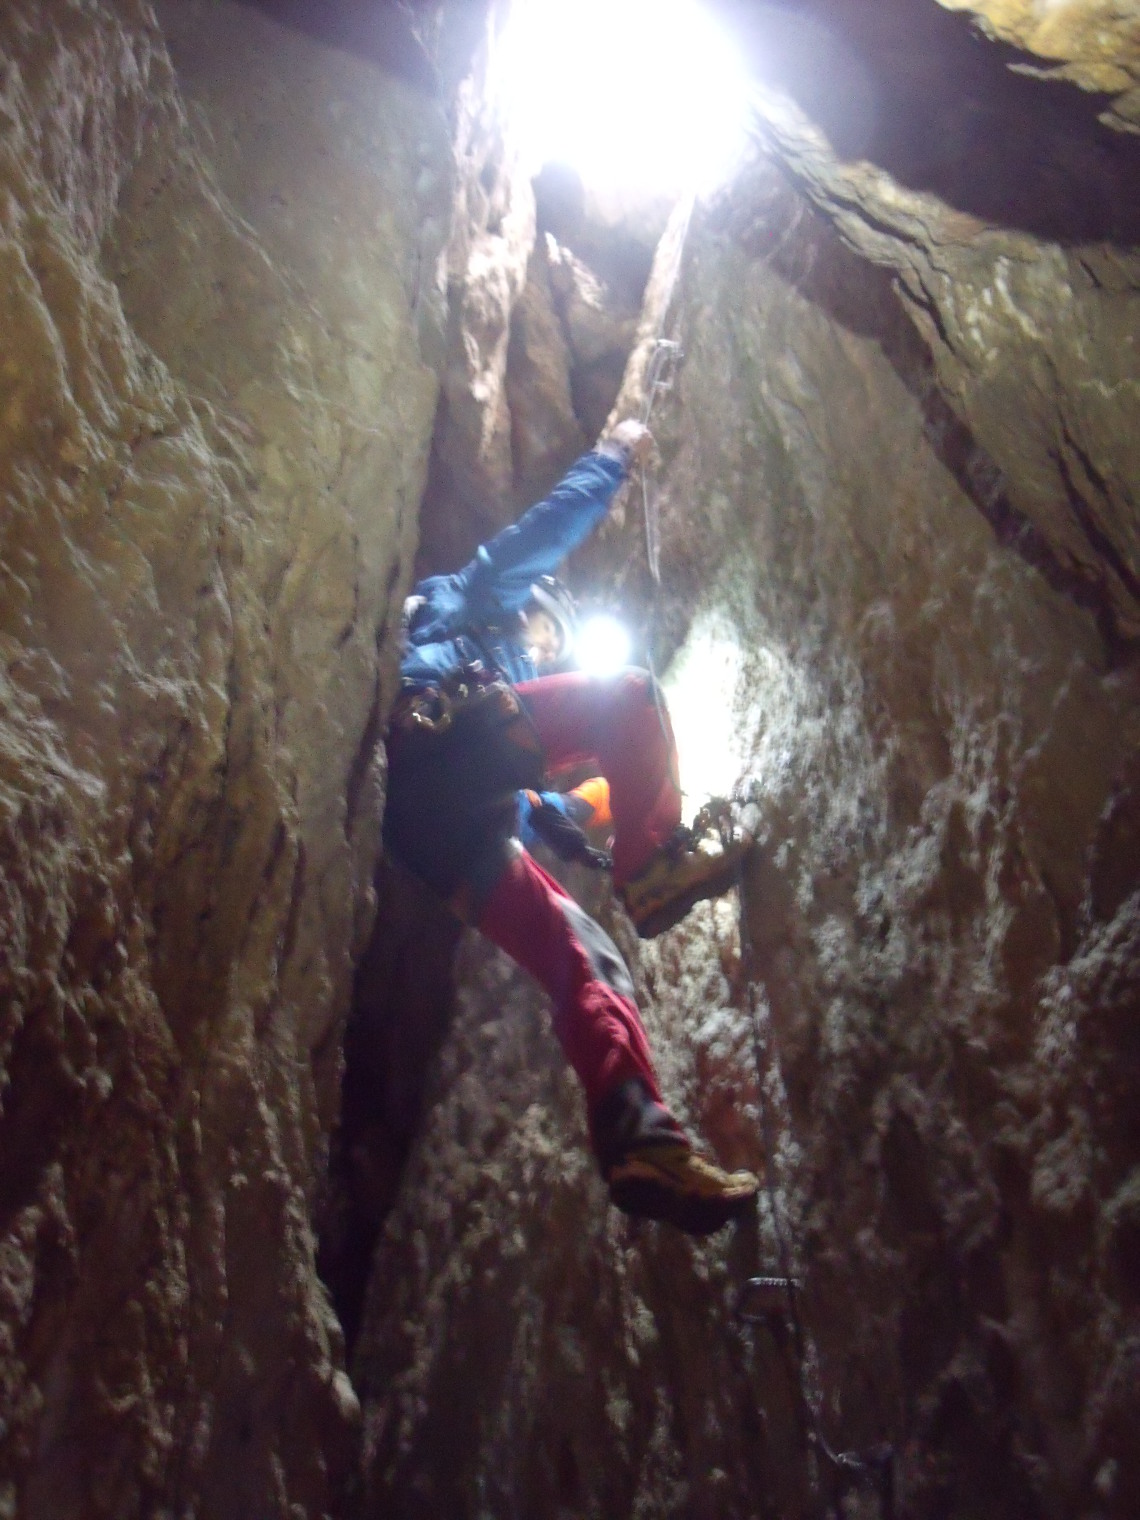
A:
{"x":773,"y":1302}
{"x":433,"y":709}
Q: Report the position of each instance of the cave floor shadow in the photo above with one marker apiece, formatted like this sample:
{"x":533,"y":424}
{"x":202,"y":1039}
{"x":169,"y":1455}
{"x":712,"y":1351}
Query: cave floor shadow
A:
{"x":403,"y":995}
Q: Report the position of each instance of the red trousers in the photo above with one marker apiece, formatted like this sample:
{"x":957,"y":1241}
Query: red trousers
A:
{"x":614,"y":725}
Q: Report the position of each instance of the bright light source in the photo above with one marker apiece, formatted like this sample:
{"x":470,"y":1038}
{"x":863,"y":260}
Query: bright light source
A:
{"x":634,"y":94}
{"x":602,"y":647}
{"x":702,"y":688}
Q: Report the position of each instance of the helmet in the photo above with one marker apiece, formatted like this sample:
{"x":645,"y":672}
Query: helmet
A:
{"x":554,"y":598}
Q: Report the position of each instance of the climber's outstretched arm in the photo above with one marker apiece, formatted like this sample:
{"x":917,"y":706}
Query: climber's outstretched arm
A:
{"x":499,"y":578}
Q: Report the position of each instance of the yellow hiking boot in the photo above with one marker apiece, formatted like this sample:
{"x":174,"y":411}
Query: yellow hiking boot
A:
{"x":671,"y":1182}
{"x":681,"y":874}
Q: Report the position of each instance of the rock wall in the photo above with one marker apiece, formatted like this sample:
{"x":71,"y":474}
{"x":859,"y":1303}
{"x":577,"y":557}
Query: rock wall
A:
{"x":897,"y":497}
{"x":246,"y":249}
{"x":1093,"y":42}
{"x":221,"y":325}
{"x":544,"y":283}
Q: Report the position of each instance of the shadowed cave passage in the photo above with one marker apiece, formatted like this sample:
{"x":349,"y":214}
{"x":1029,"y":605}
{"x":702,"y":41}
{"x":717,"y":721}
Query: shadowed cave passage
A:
{"x":297,"y":1212}
{"x":919,"y":91}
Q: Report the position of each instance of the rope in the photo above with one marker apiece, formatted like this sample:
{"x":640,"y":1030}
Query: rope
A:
{"x":665,"y":352}
{"x":847,"y":1467}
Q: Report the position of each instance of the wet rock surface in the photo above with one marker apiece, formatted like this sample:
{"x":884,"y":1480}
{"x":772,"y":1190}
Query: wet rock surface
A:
{"x":260,"y":262}
{"x":923,"y":642}
{"x":545,"y":291}
{"x":210,"y":476}
{"x":1093,"y":42}
{"x":525,"y":1348}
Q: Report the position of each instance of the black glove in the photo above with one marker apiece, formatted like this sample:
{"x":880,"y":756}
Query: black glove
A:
{"x":566,"y":839}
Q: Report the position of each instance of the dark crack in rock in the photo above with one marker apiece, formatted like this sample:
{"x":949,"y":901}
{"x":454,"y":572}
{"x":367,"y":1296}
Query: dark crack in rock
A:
{"x":215,"y":424}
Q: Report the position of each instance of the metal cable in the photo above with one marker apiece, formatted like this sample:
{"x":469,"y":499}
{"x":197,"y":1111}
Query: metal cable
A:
{"x":666,"y":351}
{"x":847,"y":1467}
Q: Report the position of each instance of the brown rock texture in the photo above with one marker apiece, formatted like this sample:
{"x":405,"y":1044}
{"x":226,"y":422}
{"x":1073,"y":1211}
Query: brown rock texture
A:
{"x":1035,"y":347}
{"x":525,"y":1349}
{"x":272,"y":289}
{"x":545,"y":286}
{"x":897,"y":499}
{"x":214,"y":428}
{"x":1096,"y":43}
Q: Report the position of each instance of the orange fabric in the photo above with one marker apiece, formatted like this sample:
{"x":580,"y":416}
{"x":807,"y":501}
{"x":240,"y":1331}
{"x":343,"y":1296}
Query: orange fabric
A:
{"x":596,"y":794}
{"x":613,"y":725}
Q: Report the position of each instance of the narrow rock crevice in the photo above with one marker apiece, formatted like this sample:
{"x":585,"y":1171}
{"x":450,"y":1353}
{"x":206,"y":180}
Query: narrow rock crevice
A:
{"x":298,"y":1214}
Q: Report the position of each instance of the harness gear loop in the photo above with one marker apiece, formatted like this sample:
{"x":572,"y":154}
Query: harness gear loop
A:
{"x":430,"y":711}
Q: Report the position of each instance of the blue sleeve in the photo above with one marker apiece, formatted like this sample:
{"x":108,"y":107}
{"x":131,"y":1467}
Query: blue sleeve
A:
{"x":526,"y":831}
{"x":500,"y":576}
{"x":562,"y":801}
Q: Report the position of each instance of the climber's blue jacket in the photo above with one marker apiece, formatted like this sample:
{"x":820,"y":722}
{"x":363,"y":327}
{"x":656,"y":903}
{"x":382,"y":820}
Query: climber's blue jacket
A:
{"x":572,"y":806}
{"x":454,"y":620}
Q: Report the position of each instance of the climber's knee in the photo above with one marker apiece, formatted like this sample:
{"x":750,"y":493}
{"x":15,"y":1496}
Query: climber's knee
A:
{"x":473,"y":893}
{"x":637,"y":687}
{"x":603,"y":955}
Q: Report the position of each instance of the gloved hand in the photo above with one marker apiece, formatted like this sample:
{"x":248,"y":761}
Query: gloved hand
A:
{"x":563,"y":836}
{"x":633,"y":438}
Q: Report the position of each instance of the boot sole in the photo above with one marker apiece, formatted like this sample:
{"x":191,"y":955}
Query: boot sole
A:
{"x":646,"y":1199}
{"x":656,"y":920}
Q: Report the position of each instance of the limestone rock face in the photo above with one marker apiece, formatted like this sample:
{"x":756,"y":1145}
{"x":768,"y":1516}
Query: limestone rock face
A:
{"x":546,"y":433}
{"x":1035,"y":350}
{"x":214,"y":426}
{"x":897,"y":511}
{"x":1096,"y":43}
{"x":266,"y":300}
{"x":492,"y":235}
{"x":923,"y":907}
{"x":545,"y":288}
{"x":525,"y":1349}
